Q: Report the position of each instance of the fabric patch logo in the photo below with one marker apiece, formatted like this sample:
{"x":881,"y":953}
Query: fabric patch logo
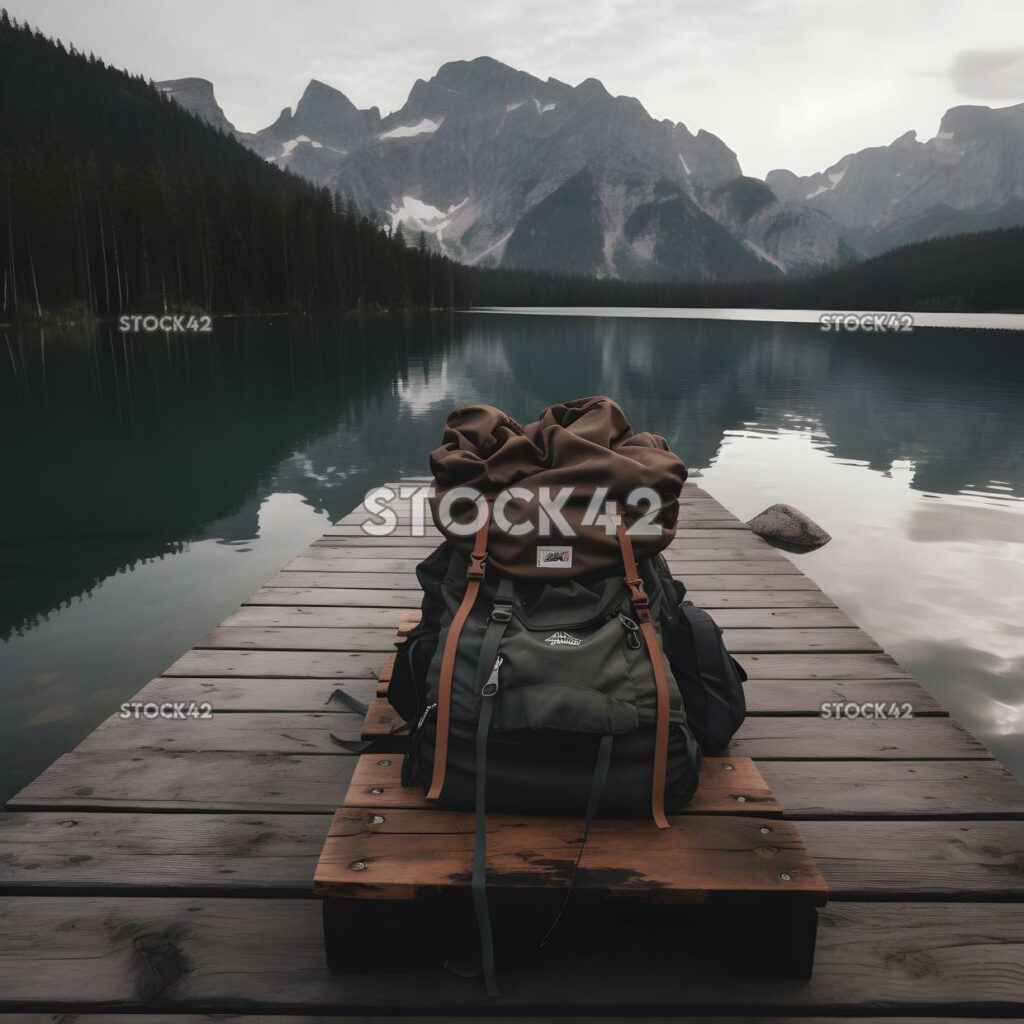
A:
{"x":561,"y":639}
{"x":554,"y":558}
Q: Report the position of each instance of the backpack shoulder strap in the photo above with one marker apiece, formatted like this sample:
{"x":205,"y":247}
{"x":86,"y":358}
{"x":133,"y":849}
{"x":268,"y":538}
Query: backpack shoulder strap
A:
{"x":474,"y":577}
{"x":642,"y":609}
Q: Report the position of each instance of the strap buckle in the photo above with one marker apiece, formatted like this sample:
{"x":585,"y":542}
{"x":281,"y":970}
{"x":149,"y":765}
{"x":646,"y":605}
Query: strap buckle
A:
{"x":477,"y":566}
{"x":501,"y":613}
{"x":640,"y":601}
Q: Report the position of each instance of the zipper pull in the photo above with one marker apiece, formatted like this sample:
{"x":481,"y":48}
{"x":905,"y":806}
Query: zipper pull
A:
{"x":490,"y":688}
{"x":423,"y":717}
{"x":632,"y":631}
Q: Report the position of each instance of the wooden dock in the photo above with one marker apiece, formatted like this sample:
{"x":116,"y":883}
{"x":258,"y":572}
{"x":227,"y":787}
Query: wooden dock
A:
{"x":163,"y":869}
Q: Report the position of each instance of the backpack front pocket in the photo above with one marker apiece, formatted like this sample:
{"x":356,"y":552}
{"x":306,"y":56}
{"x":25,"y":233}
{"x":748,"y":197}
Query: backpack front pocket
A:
{"x":575,"y":679}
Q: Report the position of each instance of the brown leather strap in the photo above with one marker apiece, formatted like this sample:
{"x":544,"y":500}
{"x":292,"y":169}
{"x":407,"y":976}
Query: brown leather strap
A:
{"x":642,"y":608}
{"x":474,"y":577}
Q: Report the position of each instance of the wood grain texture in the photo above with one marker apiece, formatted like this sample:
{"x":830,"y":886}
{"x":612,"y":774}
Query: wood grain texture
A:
{"x":798,"y":738}
{"x":728,"y":785}
{"x":347,"y":639}
{"x":290,"y":783}
{"x":193,"y":954}
{"x":402,"y":852}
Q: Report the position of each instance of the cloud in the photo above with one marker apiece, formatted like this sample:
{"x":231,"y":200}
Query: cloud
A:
{"x":989,"y":74}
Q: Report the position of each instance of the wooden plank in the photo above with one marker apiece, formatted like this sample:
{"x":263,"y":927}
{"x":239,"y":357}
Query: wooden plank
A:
{"x":764,"y":697}
{"x":771,"y":738}
{"x":277,"y":732}
{"x":807,"y":697}
{"x":193,"y":953}
{"x":277,"y":664}
{"x":325,"y":560}
{"x":698,"y":581}
{"x":226,"y":854}
{"x":83,"y":853}
{"x":894,"y":789}
{"x":821,"y":666}
{"x":365,"y":618}
{"x":263,"y":783}
{"x":797,"y":738}
{"x":919,"y":859}
{"x":430,"y":536}
{"x":728,"y":785}
{"x":404,"y":852}
{"x":218,"y":1018}
{"x":340,"y":597}
{"x":740,"y":546}
{"x":228,"y":695}
{"x":321,"y":638}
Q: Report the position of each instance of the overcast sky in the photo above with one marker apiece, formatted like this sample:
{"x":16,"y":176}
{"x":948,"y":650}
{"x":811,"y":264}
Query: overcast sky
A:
{"x":784,"y":83}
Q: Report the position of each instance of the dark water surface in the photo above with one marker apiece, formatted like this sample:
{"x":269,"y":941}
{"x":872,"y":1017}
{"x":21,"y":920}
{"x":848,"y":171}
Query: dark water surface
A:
{"x":152,"y":482}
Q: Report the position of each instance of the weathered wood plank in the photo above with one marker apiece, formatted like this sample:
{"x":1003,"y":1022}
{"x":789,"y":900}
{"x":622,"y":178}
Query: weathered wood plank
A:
{"x":341,"y":597}
{"x":265,"y":783}
{"x":406,"y":851}
{"x":321,"y":638}
{"x":365,"y":665}
{"x":728,"y":785}
{"x":775,"y":738}
{"x":919,"y":859}
{"x":697,"y":581}
{"x":325,"y":560}
{"x":225,"y":854}
{"x":771,"y":738}
{"x":696,"y":545}
{"x":430,"y":536}
{"x":350,"y":617}
{"x":276,"y":854}
{"x":894,"y":789}
{"x":230,"y":694}
{"x":821,"y":666}
{"x":780,"y":738}
{"x":282,"y":732}
{"x":195,"y":953}
{"x":764,"y":697}
{"x":283,"y":664}
{"x":808,"y":696}
{"x":156,"y":780}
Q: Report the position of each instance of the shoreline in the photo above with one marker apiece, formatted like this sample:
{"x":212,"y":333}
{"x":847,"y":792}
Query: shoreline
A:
{"x":982,"y":321}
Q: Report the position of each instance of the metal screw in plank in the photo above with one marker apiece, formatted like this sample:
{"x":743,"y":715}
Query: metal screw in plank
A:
{"x":377,"y":819}
{"x":727,"y":767}
{"x":376,"y":791}
{"x":741,"y":799}
{"x":358,"y":865}
{"x":383,"y":764}
{"x":785,"y":877}
{"x":765,"y":830}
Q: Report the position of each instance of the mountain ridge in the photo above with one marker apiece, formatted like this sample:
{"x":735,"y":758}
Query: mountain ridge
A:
{"x":480,"y":145}
{"x":481,"y":151}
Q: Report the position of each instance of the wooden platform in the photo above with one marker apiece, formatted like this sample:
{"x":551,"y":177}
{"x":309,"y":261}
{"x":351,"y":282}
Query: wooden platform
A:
{"x":165,"y":867}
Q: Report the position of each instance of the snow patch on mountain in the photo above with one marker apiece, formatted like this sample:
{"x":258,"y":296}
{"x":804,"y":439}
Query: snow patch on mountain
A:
{"x":834,"y":180}
{"x":421,"y":216}
{"x":544,"y":108}
{"x":407,"y":131}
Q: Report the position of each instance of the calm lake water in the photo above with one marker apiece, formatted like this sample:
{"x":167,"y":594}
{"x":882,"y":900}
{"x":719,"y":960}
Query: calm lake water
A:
{"x":152,"y":482}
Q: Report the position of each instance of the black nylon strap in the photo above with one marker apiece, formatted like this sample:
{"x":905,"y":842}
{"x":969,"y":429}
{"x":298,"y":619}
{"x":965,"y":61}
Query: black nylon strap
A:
{"x":349,"y":701}
{"x":479,"y":881}
{"x":487,"y":666}
{"x":597,"y":781}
